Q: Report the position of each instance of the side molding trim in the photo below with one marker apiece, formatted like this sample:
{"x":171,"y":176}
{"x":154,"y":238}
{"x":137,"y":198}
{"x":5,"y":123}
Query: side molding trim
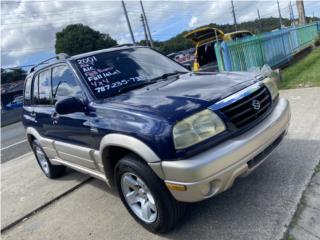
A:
{"x":81,"y":169}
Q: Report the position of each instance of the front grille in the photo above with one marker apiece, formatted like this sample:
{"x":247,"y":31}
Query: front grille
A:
{"x":246,"y":111}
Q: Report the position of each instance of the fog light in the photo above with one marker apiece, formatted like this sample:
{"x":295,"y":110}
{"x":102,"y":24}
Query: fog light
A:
{"x":206,"y":189}
{"x":176,"y":187}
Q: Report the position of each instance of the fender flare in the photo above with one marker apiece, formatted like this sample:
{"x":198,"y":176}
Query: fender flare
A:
{"x":33,"y":132}
{"x":130,"y":143}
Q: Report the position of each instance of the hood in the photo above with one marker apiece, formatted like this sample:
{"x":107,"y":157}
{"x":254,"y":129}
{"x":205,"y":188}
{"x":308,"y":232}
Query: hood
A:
{"x":174,"y":99}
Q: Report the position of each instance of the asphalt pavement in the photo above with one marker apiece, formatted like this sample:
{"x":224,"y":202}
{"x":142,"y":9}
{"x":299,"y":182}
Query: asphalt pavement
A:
{"x":13,"y":142}
{"x":260,"y":206}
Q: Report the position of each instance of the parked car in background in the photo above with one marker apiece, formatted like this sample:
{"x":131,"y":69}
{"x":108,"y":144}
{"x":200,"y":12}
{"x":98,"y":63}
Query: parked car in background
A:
{"x":160,"y":134}
{"x":204,"y":39}
{"x":16,"y":103}
{"x":183,"y":57}
{"x":237,"y":35}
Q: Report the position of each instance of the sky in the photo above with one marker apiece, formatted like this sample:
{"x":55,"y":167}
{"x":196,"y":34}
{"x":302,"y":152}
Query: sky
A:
{"x":28,"y":27}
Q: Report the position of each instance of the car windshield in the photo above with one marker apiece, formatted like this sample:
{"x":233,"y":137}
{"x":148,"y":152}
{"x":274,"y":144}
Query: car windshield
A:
{"x":108,"y":72}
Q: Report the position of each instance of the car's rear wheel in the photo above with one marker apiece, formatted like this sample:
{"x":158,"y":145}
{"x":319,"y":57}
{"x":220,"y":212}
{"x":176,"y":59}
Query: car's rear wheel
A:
{"x":51,"y":171}
{"x":145,"y":195}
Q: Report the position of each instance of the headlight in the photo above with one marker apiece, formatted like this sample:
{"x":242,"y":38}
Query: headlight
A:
{"x":197,"y":128}
{"x":272,"y":87}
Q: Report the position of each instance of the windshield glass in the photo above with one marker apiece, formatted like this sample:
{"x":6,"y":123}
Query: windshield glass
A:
{"x":108,"y":72}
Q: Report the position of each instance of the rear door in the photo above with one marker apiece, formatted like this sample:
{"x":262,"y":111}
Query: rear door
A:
{"x":41,"y":101}
{"x":38,"y":109}
{"x":28,"y":117}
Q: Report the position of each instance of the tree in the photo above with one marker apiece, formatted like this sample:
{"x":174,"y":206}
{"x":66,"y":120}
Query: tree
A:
{"x":78,"y":38}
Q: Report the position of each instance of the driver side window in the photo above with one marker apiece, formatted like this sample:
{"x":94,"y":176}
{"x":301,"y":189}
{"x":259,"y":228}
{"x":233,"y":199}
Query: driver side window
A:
{"x":64,"y":84}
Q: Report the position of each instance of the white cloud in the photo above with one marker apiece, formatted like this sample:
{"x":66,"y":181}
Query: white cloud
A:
{"x":193,"y":22}
{"x":29,"y":27}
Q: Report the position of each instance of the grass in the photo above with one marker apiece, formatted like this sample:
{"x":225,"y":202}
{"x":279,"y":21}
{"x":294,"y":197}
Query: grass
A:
{"x":304,"y":73}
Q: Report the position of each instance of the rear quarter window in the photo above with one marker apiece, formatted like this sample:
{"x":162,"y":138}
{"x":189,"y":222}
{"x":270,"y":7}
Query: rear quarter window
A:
{"x":27,"y":91}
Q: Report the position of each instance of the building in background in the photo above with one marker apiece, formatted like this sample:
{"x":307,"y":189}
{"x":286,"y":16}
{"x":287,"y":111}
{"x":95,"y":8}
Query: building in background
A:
{"x":10,"y":92}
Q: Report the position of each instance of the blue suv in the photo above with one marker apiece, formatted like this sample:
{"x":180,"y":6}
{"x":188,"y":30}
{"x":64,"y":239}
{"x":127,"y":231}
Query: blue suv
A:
{"x":162,"y":135}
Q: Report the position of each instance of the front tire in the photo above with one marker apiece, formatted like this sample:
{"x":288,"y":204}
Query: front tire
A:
{"x":145,"y":196}
{"x":51,"y":171}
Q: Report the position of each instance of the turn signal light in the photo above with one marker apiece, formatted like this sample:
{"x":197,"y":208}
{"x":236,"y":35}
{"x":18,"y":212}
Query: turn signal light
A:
{"x":176,"y":187}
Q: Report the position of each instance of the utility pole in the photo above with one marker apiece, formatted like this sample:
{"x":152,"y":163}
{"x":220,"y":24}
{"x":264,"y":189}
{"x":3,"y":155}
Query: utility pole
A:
{"x":279,"y":14}
{"x":234,"y":16}
{"x":292,"y":14}
{"x":260,"y":23}
{"x":301,"y":12}
{"x":128,"y":22}
{"x":145,"y":30}
{"x":147,"y":24}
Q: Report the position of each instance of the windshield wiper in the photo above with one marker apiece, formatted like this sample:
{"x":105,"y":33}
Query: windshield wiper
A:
{"x":151,"y":81}
{"x":166,"y":75}
{"x":134,"y":86}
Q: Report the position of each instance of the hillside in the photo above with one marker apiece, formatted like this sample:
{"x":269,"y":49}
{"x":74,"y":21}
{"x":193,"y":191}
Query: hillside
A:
{"x":179,"y":43}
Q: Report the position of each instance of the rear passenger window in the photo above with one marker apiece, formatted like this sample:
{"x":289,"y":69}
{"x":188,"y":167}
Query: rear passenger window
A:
{"x":27,"y":91}
{"x":64,"y":84}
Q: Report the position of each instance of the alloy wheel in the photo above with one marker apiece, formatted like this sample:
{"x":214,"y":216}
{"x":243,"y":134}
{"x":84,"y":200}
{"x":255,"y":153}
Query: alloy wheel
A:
{"x":42,"y":160}
{"x":138,"y":197}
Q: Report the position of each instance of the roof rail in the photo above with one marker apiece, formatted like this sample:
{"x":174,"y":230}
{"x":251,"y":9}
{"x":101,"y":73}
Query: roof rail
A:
{"x":60,"y":56}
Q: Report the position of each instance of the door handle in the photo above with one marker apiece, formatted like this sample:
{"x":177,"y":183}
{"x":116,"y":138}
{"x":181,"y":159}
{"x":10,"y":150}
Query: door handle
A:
{"x":33,"y":114}
{"x":55,"y":117}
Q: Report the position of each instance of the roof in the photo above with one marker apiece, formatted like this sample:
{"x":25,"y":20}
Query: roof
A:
{"x":12,"y":87}
{"x":112,"y":49}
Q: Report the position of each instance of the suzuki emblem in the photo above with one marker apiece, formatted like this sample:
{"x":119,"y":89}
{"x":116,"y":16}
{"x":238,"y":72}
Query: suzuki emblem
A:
{"x":255,"y":104}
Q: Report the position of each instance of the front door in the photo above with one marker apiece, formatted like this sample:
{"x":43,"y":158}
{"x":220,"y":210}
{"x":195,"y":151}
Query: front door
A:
{"x":70,"y":132}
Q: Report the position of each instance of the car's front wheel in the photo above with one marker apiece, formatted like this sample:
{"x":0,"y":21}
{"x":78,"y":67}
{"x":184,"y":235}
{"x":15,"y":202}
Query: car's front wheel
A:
{"x":145,"y":195}
{"x":51,"y":171}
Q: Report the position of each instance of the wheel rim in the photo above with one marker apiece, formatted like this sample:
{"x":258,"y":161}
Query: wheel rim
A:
{"x":138,"y":197}
{"x":42,"y":160}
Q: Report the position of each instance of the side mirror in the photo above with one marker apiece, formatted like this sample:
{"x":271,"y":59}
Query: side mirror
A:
{"x":69,"y":105}
{"x":188,"y":66}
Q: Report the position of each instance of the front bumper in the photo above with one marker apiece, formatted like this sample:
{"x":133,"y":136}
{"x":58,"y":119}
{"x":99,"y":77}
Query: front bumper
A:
{"x":215,"y":170}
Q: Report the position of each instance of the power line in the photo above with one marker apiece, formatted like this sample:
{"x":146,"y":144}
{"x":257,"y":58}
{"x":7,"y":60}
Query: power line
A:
{"x":18,"y":2}
{"x":50,"y":13}
{"x":58,"y":18}
{"x":26,"y":50}
{"x":56,"y":21}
